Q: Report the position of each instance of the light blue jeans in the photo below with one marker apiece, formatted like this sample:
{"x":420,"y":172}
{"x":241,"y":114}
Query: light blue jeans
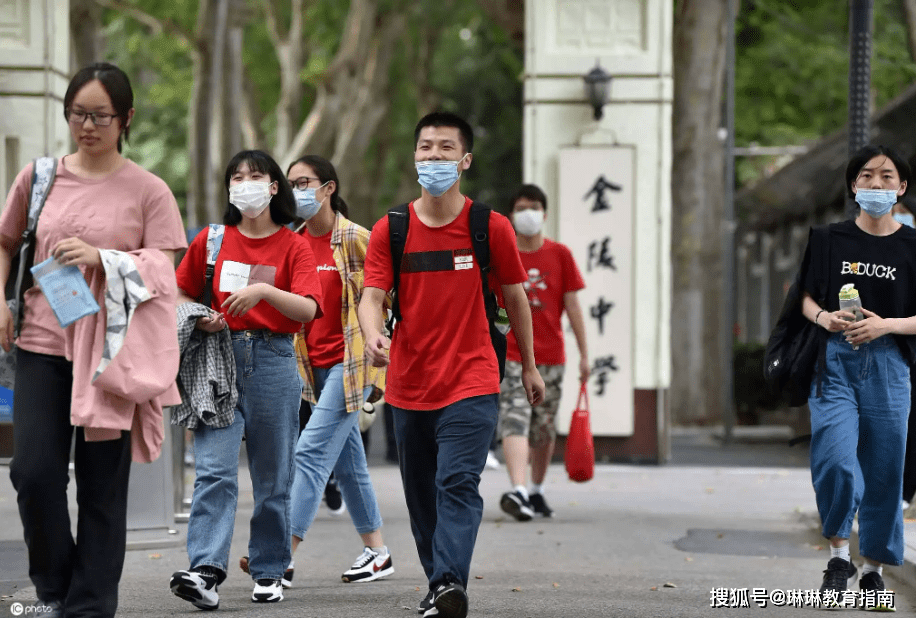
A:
{"x":331,"y":441}
{"x":267,"y":415}
{"x":858,"y":438}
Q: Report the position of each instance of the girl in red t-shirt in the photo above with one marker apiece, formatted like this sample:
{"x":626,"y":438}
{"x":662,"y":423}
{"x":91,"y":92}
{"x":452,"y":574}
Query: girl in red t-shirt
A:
{"x":332,"y":365}
{"x":264,"y":287}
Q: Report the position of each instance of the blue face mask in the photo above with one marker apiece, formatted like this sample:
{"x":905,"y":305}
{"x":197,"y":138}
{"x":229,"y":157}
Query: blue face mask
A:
{"x":307,"y":205}
{"x":437,"y":177}
{"x":876,"y":202}
{"x":906,"y":220}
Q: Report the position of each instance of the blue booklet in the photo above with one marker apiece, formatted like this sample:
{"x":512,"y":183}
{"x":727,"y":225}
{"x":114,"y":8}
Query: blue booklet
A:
{"x":66,"y":291}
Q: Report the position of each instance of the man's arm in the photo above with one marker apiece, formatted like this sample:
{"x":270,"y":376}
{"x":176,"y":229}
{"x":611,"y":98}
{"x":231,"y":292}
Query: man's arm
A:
{"x":520,"y":320}
{"x":369,"y":313}
{"x":577,"y":322}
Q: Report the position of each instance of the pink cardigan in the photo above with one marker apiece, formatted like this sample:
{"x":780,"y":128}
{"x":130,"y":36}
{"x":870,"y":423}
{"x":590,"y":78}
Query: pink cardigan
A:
{"x":139,"y":380}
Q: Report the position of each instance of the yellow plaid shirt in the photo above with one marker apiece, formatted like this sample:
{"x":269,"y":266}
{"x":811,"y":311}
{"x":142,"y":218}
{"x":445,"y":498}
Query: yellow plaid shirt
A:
{"x":349,"y":242}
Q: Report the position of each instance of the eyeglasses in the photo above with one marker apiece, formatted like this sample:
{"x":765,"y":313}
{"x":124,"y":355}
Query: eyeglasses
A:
{"x":303,"y":182}
{"x":99,"y":119}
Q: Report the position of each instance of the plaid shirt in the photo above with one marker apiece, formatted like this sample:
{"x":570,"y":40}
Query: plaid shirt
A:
{"x":349,"y":242}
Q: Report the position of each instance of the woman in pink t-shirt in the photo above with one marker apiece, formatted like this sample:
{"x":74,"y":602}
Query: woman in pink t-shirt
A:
{"x":98,"y":199}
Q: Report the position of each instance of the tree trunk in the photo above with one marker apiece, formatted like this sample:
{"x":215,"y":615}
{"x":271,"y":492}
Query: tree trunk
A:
{"x":909,"y":11}
{"x":697,"y":179}
{"x":85,"y":33}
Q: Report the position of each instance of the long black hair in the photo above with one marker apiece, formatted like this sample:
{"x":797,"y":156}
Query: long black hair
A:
{"x":116,"y":84}
{"x":325,"y":171}
{"x":282,"y":205}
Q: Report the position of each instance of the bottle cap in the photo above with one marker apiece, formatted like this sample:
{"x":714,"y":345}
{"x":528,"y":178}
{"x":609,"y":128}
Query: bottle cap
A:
{"x":848,"y":292}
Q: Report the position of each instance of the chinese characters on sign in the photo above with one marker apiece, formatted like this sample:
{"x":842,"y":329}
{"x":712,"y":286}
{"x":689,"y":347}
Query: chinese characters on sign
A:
{"x":596,"y":223}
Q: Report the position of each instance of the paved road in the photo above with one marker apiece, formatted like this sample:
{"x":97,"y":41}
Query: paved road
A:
{"x":615,"y":544}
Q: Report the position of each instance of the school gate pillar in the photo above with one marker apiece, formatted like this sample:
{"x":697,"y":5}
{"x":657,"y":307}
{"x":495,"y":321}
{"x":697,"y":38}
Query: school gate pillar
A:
{"x":34,"y":67}
{"x":608,"y":184}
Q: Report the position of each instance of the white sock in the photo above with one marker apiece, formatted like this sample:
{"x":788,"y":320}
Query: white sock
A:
{"x":382,"y":550}
{"x":842,"y":552}
{"x":868,"y":567}
{"x":535,"y":489}
{"x":522,"y":491}
{"x":292,"y":564}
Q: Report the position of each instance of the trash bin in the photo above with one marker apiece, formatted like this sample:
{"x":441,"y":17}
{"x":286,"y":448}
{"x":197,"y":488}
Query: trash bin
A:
{"x":151,"y":501}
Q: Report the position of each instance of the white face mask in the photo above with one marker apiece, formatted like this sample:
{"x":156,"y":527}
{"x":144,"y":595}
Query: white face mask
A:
{"x":250,"y":197}
{"x":528,"y":222}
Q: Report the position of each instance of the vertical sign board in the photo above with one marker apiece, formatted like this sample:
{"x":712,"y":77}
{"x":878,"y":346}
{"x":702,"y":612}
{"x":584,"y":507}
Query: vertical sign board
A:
{"x":596,"y":223}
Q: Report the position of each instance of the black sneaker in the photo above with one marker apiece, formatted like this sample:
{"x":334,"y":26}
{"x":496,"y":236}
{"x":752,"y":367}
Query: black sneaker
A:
{"x":426,"y":603}
{"x":198,"y":585}
{"x":539,"y":505}
{"x":450,"y":600}
{"x":517,"y":506}
{"x":869,"y":586}
{"x":333,"y":498}
{"x":837,"y":578}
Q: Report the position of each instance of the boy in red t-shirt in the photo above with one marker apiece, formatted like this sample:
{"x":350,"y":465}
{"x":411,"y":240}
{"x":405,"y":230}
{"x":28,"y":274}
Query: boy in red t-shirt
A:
{"x":553,"y":280}
{"x":443,"y":378}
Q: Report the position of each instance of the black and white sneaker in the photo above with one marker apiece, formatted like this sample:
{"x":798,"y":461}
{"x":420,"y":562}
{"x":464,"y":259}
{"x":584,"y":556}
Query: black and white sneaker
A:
{"x":267,"y":590}
{"x":369,"y":566}
{"x":539,"y":505}
{"x":198,"y":586}
{"x":869,"y":586}
{"x":333,"y":498}
{"x":426,"y":603}
{"x":286,"y":581}
{"x":517,"y":506}
{"x":838,"y":577}
{"x":449,"y":600}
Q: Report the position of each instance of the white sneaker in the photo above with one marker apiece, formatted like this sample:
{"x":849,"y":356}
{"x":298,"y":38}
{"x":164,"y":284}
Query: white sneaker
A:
{"x":267,"y":590}
{"x":492,"y":460}
{"x":198,"y":587}
{"x":369,"y":566}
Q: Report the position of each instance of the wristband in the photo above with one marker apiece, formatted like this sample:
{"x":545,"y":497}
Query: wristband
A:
{"x":818,"y":316}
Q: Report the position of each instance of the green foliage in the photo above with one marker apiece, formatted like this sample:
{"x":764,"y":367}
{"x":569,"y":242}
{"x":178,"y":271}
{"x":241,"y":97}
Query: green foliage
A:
{"x":476,"y":75}
{"x":792,"y":70}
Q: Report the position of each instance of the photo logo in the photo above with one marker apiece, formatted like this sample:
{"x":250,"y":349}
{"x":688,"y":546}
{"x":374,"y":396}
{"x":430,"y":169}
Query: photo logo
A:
{"x":16,"y":609}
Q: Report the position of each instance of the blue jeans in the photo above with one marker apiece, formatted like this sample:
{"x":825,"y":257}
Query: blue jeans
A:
{"x":858,"y":437}
{"x":267,"y":414}
{"x":442,"y":453}
{"x":331,"y":441}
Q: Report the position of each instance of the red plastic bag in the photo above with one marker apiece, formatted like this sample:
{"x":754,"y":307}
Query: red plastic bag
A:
{"x":580,"y":447}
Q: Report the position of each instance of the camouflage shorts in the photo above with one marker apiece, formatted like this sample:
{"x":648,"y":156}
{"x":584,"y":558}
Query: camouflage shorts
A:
{"x":516,"y":417}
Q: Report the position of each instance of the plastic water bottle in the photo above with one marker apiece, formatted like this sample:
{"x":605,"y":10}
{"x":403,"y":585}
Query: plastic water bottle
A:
{"x":850,"y":302}
{"x":502,"y":321}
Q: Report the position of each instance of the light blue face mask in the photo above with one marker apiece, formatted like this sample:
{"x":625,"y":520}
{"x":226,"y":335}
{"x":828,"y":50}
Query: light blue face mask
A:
{"x":307,"y":205}
{"x":876,"y":202}
{"x":906,"y":220}
{"x":437,"y":177}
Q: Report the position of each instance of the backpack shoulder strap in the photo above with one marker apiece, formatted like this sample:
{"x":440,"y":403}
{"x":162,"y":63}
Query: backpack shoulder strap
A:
{"x":398,"y":224}
{"x":480,"y":241}
{"x":215,"y":235}
{"x":43,"y":171}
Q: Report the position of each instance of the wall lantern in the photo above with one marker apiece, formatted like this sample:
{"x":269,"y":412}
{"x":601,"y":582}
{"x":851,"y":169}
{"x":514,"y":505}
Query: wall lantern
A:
{"x":597,"y":88}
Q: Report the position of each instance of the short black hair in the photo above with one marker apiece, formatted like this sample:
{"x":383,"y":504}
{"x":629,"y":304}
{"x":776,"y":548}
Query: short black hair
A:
{"x":326,"y":172}
{"x":116,"y":84}
{"x":447,"y":119}
{"x":531,"y":192}
{"x":282,"y":206}
{"x":865,"y":154}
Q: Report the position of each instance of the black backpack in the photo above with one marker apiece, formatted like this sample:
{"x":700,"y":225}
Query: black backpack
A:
{"x":796,"y":345}
{"x":398,"y":223}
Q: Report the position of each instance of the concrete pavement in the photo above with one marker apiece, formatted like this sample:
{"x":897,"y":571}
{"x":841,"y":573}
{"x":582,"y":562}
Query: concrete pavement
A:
{"x":613,"y":548}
